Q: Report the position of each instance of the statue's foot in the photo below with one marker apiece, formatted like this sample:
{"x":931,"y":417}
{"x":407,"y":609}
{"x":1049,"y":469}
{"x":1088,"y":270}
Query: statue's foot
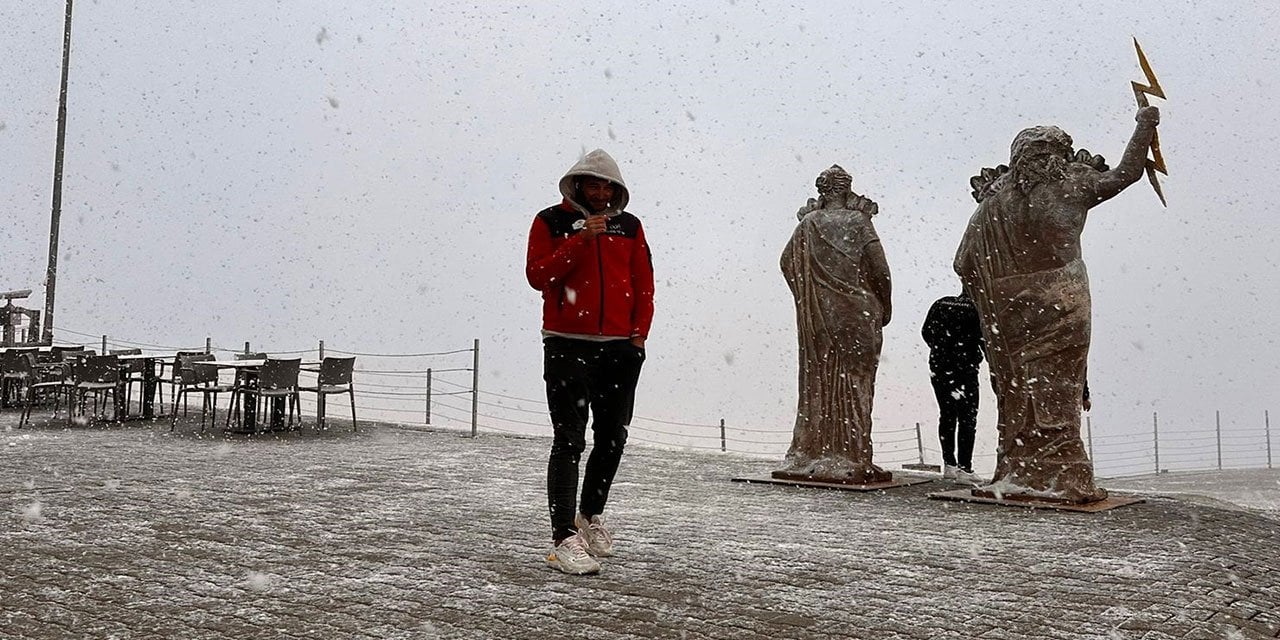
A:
{"x":1001,"y":490}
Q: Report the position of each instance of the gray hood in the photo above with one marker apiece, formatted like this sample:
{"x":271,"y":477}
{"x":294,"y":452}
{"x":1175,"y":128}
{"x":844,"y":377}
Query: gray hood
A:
{"x":596,"y":164}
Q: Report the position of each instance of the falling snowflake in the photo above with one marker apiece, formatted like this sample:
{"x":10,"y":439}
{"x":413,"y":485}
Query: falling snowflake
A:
{"x":257,"y":581}
{"x":32,"y":512}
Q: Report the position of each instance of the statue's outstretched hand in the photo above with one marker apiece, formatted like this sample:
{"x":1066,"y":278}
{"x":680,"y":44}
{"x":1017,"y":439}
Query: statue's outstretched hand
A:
{"x":1149,"y":115}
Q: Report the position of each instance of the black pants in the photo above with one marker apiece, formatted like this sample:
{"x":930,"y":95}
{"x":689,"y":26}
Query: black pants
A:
{"x":582,"y":375}
{"x":957,"y":394}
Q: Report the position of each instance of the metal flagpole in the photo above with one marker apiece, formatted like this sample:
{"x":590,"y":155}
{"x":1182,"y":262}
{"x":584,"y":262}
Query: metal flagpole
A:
{"x":51,"y":275}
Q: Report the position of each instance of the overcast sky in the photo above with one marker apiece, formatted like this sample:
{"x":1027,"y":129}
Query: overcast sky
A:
{"x":367,"y":175}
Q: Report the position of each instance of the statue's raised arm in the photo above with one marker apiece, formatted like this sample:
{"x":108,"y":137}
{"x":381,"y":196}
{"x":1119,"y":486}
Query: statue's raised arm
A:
{"x":1110,"y":183}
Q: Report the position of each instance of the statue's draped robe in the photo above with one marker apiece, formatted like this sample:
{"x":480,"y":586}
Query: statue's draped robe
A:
{"x":1036,"y":323}
{"x":838,"y":320}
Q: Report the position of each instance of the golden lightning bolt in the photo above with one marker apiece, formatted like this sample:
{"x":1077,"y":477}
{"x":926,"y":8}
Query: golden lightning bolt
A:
{"x":1141,"y":91}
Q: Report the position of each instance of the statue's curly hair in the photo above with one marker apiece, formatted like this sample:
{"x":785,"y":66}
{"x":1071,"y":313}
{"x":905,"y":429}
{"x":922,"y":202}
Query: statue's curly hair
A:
{"x":834,"y":178}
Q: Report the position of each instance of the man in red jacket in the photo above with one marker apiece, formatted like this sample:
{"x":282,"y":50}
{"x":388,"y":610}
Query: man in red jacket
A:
{"x":590,"y":260}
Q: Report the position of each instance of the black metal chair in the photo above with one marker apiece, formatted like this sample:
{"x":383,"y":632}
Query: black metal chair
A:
{"x":198,"y":379}
{"x":76,"y":355}
{"x":335,"y":377}
{"x":15,"y":375}
{"x":171,"y":377}
{"x":275,"y":380}
{"x":57,"y":351}
{"x":60,"y":383}
{"x":97,"y":375}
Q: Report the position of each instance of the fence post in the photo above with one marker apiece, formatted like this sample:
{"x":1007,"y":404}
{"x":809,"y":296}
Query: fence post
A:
{"x":428,"y":397}
{"x":722,"y":447}
{"x":1088,"y":422}
{"x":1266,"y":416}
{"x":104,"y":346}
{"x":1155,"y":437}
{"x":919,"y":444}
{"x":208,"y":344}
{"x":475,"y":384}
{"x":322,"y":349}
{"x":1217,"y":422}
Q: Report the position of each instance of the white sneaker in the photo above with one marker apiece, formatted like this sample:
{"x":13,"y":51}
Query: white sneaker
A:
{"x":949,"y":472}
{"x":571,"y":557}
{"x":598,"y":539}
{"x":968,"y":477}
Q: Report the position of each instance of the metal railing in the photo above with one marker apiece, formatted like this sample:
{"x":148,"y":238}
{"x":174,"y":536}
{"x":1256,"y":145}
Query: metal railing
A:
{"x":442,"y":389}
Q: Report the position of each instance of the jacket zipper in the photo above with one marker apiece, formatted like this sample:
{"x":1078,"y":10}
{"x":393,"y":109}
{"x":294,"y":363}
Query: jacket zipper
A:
{"x":600,"y":264}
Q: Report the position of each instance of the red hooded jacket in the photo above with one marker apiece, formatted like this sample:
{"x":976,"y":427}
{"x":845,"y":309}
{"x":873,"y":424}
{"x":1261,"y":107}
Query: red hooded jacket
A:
{"x":601,"y":286}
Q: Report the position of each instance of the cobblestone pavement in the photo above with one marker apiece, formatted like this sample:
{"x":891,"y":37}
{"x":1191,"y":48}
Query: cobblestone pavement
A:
{"x":111,"y":532}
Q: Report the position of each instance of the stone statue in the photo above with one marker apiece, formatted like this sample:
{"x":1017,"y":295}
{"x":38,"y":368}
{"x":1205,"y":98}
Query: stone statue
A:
{"x":836,"y":269}
{"x":1020,"y":261}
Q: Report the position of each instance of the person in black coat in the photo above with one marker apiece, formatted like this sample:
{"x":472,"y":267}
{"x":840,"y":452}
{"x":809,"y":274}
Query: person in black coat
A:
{"x":954,"y":335}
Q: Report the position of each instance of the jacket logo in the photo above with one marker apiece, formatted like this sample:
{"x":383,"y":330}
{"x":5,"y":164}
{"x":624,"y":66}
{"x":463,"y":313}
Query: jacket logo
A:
{"x":579,"y":224}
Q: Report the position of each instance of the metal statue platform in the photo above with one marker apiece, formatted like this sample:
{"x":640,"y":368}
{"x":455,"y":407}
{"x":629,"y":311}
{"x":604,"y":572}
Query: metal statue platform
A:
{"x":898,"y":480}
{"x":1009,"y":500}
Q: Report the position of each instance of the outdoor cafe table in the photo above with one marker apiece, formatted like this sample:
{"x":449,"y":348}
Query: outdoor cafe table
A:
{"x":250,"y":370}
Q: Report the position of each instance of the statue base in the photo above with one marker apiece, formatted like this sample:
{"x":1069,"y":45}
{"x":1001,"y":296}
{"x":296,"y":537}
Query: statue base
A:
{"x":891,"y":483}
{"x":920,"y":466}
{"x":858,"y":475}
{"x":1034,"y":502}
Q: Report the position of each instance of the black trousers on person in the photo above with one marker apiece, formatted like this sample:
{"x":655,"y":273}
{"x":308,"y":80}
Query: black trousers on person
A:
{"x":957,"y":394}
{"x":585,"y":377}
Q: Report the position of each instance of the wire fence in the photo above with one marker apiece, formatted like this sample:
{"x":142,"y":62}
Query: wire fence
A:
{"x":442,"y":389}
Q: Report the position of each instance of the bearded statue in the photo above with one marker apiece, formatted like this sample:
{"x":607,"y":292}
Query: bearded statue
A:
{"x":1020,"y":261}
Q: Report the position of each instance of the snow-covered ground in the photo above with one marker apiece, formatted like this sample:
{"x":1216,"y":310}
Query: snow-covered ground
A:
{"x":1253,"y":489}
{"x":403,"y":533}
